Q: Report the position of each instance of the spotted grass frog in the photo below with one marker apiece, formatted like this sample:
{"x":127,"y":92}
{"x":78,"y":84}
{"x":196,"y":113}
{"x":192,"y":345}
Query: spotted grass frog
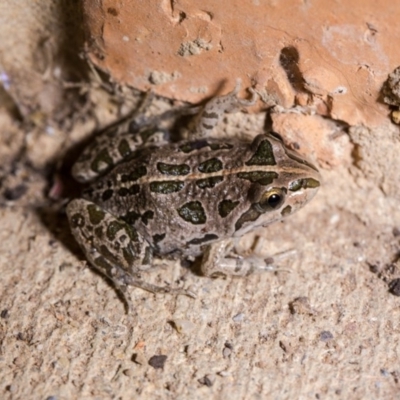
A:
{"x":146,"y":197}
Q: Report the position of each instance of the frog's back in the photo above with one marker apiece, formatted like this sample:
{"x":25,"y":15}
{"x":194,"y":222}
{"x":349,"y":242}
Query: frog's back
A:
{"x":184,"y":195}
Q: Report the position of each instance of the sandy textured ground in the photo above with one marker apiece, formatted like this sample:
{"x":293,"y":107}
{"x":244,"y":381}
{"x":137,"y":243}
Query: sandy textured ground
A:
{"x":324,"y":326}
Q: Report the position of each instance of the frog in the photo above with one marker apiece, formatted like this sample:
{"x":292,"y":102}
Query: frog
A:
{"x":148,"y":198}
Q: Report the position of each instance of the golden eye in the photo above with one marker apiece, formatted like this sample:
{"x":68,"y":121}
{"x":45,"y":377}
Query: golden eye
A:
{"x":272,"y":199}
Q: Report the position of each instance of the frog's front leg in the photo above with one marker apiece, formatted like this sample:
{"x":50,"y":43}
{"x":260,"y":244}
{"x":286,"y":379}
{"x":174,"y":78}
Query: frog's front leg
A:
{"x":113,"y":247}
{"x":215,"y":109}
{"x":219,"y":259}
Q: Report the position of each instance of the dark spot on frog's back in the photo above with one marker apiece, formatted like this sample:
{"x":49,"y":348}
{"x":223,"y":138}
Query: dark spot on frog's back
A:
{"x":199,"y":144}
{"x":134,"y":175}
{"x":165,"y":187}
{"x":147,"y":216}
{"x":264,"y":154}
{"x":132,"y":190}
{"x":131,"y":217}
{"x":261,"y":177}
{"x":193,"y":212}
{"x":225,"y":207}
{"x":172,"y":169}
{"x":107,"y":194}
{"x":211,"y":165}
{"x":209,"y":182}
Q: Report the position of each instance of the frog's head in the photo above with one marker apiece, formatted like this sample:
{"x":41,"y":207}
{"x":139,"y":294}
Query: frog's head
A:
{"x":292,"y":182}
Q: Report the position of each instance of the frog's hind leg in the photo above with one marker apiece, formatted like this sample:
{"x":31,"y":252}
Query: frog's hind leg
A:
{"x":110,"y":148}
{"x":215,"y":109}
{"x":113,"y":247}
{"x":117,"y":142}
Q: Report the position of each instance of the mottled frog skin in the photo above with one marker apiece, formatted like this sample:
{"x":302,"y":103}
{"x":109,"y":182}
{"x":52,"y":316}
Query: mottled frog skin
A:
{"x":146,"y":197}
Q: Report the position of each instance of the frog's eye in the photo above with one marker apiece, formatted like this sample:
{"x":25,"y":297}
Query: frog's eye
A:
{"x":272,"y":199}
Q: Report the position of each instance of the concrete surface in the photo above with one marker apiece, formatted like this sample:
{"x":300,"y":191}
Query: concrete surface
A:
{"x":323,"y":326}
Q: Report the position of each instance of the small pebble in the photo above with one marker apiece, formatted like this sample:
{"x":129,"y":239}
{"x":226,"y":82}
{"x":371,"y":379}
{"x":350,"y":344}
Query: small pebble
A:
{"x":394,"y":287}
{"x":384,"y":372}
{"x":158,"y":362}
{"x":128,"y":372}
{"x":226,"y":352}
{"x":238,"y":317}
{"x":325,"y":336}
{"x":183,"y":326}
{"x":301,"y":305}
